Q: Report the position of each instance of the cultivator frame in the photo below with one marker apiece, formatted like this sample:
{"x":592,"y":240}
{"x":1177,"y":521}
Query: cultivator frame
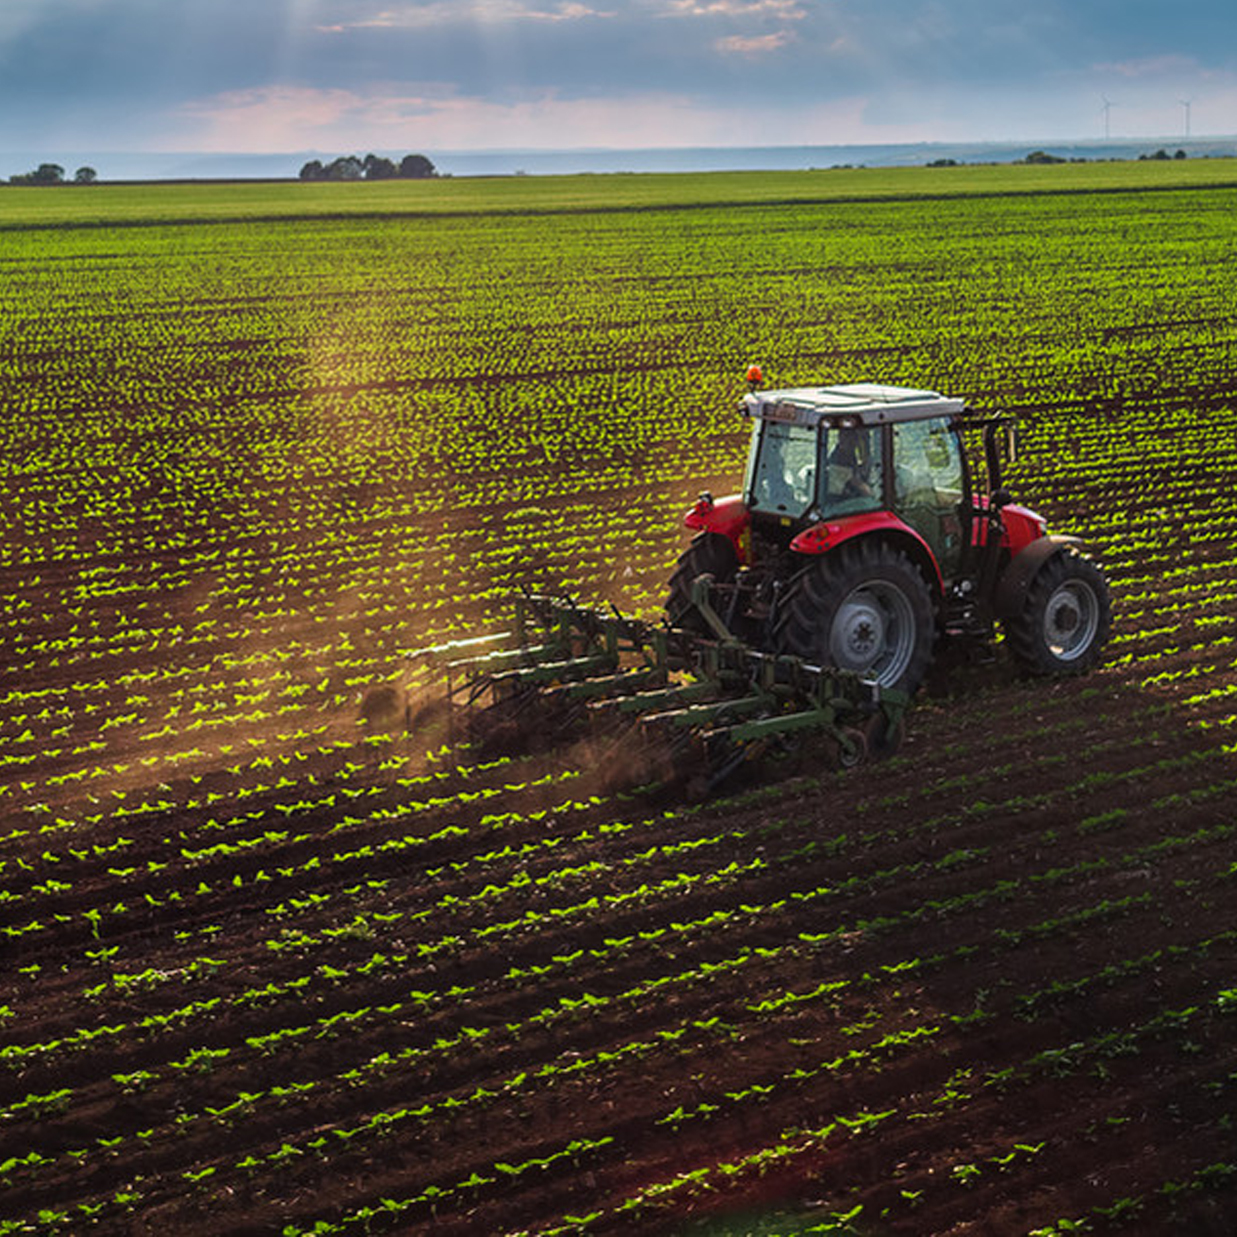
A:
{"x":688,"y":707}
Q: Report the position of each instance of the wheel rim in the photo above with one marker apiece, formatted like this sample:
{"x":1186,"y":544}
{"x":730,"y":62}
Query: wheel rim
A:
{"x":1071,"y":620}
{"x":873,"y":632}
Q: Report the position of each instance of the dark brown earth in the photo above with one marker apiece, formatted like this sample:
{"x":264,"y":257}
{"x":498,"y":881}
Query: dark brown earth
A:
{"x":978,"y":988}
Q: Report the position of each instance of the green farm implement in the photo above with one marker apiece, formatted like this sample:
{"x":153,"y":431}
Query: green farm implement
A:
{"x":669,"y":704}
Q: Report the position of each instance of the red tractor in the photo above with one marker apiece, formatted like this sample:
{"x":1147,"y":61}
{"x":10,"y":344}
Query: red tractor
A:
{"x":807,"y":609}
{"x":866,"y":529}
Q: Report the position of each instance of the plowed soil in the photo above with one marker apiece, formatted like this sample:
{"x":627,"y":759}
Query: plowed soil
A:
{"x":977,"y":988}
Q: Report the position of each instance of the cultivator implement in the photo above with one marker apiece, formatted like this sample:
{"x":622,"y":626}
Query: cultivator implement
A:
{"x":667,"y":704}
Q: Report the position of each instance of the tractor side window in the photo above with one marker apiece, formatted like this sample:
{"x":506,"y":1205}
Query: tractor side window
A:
{"x":852,"y":471}
{"x":928,"y":485}
{"x":784,"y":476}
{"x":928,"y":465}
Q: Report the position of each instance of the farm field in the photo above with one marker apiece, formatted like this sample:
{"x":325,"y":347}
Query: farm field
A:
{"x":279,"y":957}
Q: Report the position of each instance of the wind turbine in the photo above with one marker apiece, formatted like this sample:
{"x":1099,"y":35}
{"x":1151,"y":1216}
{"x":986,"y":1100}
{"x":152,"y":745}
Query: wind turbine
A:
{"x":1185,"y":103}
{"x":1107,"y":109}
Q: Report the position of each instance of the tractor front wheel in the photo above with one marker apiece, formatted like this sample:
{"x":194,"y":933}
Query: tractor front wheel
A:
{"x":1065,"y":618}
{"x":864,"y":608}
{"x":709,"y":554}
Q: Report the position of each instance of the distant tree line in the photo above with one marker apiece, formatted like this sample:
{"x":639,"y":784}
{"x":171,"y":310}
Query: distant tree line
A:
{"x":372,"y":167}
{"x":1043,"y":157}
{"x":53,"y":174}
{"x":1040,"y":156}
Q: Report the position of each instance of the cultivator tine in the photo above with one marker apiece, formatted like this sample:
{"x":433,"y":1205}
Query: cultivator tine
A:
{"x":723,"y":759}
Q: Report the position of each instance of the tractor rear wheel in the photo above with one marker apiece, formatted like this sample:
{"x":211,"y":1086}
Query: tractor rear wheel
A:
{"x":1065,"y":618}
{"x":865,"y":608}
{"x":709,"y":554}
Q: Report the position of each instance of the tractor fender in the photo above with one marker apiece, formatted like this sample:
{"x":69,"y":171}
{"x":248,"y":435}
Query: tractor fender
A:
{"x":1023,"y":567}
{"x":828,"y":535}
{"x":1023,"y":527}
{"x":1020,"y":525}
{"x":727,"y":516}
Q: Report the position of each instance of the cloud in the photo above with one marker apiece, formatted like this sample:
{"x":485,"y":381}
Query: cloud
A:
{"x":282,"y":118}
{"x":785,"y":10}
{"x":431,"y":119}
{"x":272,"y":117}
{"x":1153,"y":67}
{"x":753,"y":45}
{"x":485,"y":12}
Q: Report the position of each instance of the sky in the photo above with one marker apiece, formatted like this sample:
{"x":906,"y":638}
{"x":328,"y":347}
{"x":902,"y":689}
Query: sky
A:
{"x":423,"y":75}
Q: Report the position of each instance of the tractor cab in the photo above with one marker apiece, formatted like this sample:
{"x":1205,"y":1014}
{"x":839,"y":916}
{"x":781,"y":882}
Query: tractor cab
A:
{"x":826,"y":454}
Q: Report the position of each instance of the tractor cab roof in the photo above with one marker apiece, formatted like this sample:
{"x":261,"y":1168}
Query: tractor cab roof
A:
{"x":860,"y":403}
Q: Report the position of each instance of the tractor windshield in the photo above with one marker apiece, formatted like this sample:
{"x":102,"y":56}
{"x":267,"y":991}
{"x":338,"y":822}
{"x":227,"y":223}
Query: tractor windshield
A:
{"x":782,"y":468}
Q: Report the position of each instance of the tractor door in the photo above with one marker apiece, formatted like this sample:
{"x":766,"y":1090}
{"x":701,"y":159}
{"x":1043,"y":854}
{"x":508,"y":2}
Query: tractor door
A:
{"x":929,"y":488}
{"x":781,"y":469}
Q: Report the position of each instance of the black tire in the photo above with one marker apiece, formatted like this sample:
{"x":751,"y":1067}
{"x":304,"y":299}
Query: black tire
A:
{"x":884,"y":739}
{"x":709,"y":554}
{"x":865,"y":608}
{"x":1065,"y":618}
{"x":843,"y":757}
